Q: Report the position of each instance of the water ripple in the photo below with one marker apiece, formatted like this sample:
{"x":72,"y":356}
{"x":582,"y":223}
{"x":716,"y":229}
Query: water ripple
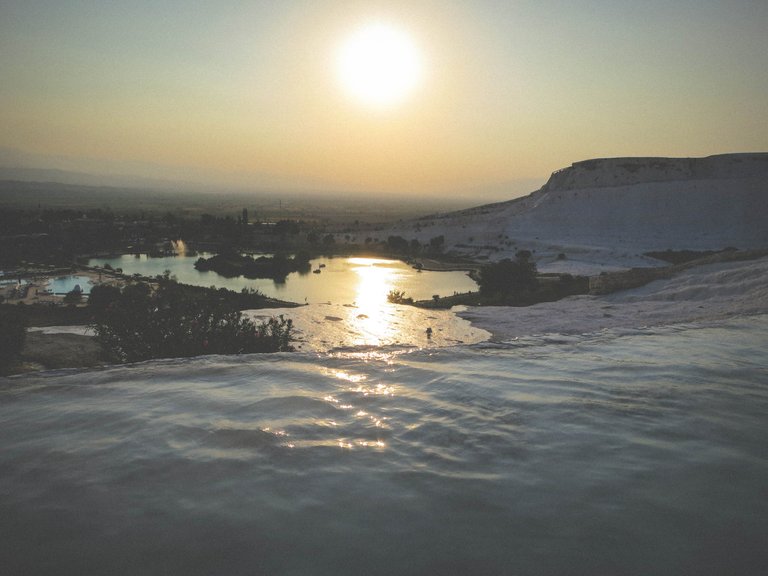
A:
{"x":572,"y":455}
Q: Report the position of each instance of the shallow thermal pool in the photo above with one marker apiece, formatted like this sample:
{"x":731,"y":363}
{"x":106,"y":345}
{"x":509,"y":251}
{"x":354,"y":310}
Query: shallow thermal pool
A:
{"x":341,"y":280}
{"x":626,"y":452}
{"x":65,"y":284}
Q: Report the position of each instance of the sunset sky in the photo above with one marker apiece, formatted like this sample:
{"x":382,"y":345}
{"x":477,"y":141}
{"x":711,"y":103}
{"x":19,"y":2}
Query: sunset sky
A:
{"x":249,"y":91}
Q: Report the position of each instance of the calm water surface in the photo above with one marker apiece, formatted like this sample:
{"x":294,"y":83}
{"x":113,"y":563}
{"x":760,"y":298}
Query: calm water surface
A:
{"x":65,"y":284}
{"x":341,"y":281}
{"x":634,"y":452}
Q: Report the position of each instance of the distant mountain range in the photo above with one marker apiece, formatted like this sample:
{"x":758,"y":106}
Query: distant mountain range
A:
{"x":20,"y":166}
{"x":82,"y":178}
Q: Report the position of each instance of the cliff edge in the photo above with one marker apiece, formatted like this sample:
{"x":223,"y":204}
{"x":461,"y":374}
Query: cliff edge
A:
{"x":607,"y":172}
{"x":615,"y":210}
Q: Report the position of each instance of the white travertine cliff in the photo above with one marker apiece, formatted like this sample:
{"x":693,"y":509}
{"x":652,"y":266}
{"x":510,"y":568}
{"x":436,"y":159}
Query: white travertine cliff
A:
{"x":619,"y":206}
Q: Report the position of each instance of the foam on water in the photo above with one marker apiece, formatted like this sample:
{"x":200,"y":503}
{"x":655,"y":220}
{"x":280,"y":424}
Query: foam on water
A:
{"x":632,"y":452}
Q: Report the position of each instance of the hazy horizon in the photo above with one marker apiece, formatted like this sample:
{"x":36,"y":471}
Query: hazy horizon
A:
{"x":17,"y":165}
{"x":487,"y":99}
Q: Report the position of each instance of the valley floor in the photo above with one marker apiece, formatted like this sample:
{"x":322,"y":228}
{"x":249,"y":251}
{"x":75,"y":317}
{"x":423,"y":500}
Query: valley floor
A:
{"x":705,"y":293}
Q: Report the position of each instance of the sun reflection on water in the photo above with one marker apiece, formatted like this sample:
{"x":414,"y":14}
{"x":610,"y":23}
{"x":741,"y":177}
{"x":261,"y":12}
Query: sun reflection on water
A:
{"x":341,"y":375}
{"x":373,"y":314}
{"x":354,"y":390}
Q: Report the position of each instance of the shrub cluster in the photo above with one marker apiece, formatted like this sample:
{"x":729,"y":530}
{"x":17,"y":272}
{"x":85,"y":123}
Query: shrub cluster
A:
{"x":509,"y":278}
{"x":138,"y":323}
{"x":232,"y":264}
{"x":13,"y":333}
{"x":398,"y":297}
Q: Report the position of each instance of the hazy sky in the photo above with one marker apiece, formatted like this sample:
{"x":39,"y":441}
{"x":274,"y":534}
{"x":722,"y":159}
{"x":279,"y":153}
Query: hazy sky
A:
{"x":510,"y":89}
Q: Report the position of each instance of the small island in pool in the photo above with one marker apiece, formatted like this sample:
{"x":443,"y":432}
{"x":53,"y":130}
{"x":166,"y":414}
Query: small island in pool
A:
{"x":232,"y":264}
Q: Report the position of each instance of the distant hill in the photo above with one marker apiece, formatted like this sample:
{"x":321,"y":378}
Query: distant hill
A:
{"x":68,"y":177}
{"x":624,"y":206}
{"x":24,"y":194}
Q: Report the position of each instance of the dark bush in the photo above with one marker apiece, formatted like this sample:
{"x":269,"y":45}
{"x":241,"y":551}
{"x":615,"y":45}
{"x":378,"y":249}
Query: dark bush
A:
{"x":102,"y":295}
{"x":173,"y":322}
{"x":508,"y":277}
{"x":398,"y":297}
{"x":285,"y":227}
{"x":73,"y":297}
{"x":436,"y":244}
{"x":398,"y":244}
{"x":13,"y":334}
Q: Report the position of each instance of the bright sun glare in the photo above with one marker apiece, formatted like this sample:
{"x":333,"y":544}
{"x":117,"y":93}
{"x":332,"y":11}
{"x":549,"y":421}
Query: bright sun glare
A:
{"x":379,"y":65}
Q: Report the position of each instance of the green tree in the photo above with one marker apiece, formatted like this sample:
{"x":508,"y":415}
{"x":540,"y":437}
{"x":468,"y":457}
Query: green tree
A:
{"x":285,"y":227}
{"x":73,"y":297}
{"x":398,"y":244}
{"x":508,"y":278}
{"x":436,"y":244}
{"x":102,"y":295}
{"x":173,"y":322}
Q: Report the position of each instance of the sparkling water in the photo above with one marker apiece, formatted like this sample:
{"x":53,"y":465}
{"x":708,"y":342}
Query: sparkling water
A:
{"x":341,"y":280}
{"x":624,"y":452}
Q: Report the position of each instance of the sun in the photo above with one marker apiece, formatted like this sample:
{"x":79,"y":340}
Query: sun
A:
{"x":379,"y":65}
